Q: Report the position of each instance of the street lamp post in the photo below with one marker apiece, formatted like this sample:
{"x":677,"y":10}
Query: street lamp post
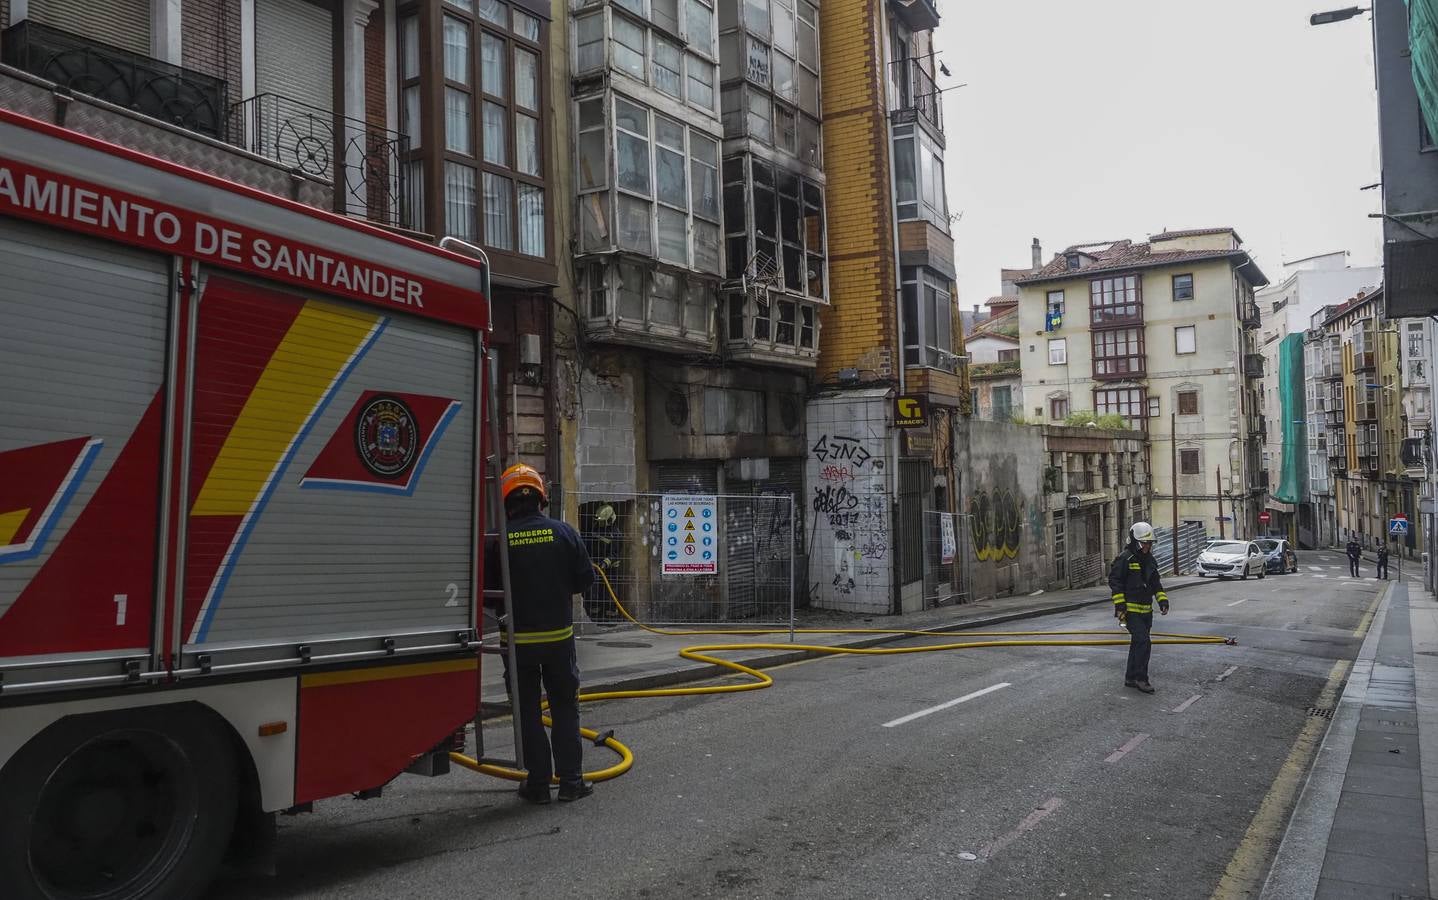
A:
{"x":1337,"y":15}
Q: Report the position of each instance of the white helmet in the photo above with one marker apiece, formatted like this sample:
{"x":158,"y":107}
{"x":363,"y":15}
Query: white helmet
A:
{"x":1141,"y":531}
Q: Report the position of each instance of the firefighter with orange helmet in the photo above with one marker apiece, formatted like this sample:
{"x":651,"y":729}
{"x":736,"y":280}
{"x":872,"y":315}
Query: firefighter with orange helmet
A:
{"x":548,"y":565}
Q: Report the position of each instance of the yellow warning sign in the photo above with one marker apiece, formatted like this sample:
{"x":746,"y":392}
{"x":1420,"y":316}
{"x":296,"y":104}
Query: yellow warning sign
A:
{"x":689,"y":512}
{"x":689,"y":526}
{"x":688,"y":538}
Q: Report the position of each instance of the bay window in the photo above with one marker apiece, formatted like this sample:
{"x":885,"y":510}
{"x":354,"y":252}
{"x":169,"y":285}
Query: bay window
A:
{"x":770,"y":60}
{"x":665,"y":195}
{"x":919,"y":177}
{"x":1115,"y":300}
{"x":928,"y":314}
{"x":486,"y":151}
{"x":1126,"y":402}
{"x":664,"y":303}
{"x":653,"y":46}
{"x":1118,"y":353}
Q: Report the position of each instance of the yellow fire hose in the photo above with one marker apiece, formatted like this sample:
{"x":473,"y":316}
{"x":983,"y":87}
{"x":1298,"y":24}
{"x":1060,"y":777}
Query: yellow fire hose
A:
{"x":700,"y":653}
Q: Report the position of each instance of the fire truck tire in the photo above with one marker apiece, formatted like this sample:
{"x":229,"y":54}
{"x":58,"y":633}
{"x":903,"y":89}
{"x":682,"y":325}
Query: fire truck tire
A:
{"x":118,"y":805}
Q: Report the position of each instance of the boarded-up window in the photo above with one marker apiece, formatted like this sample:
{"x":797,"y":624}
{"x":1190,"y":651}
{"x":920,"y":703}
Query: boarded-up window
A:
{"x":1188,"y":462}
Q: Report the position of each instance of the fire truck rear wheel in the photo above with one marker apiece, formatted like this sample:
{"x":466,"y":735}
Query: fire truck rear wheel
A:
{"x":121,"y":805}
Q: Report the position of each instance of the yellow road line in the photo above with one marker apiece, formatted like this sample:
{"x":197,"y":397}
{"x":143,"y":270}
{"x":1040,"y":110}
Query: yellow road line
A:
{"x":1367,"y":619}
{"x":1246,"y":870}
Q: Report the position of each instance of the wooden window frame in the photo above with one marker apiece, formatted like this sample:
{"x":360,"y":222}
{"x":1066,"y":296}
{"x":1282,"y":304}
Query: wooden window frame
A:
{"x":1174,"y":287}
{"x":1180,"y":403}
{"x":1107,"y":312}
{"x":1106,"y":364}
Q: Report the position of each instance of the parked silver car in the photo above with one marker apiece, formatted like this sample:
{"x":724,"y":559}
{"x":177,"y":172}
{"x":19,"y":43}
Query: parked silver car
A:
{"x":1232,"y":559}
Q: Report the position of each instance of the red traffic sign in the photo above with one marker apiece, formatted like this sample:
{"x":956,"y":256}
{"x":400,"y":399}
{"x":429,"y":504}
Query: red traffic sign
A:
{"x":1263,"y":517}
{"x":1402,"y":516}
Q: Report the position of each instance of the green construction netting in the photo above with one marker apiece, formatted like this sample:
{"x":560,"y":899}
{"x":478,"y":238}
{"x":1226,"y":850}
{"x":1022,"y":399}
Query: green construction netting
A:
{"x":1293,"y":481}
{"x":1423,"y":45}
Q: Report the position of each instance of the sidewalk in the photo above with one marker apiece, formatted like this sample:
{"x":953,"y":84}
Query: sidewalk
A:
{"x":629,"y":658}
{"x":1366,"y":823}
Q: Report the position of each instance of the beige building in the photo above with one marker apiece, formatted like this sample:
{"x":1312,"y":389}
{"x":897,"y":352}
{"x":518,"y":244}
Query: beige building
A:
{"x":1161,"y":333}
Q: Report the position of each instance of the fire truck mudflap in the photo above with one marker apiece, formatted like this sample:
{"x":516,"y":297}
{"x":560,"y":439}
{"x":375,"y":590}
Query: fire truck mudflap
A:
{"x":239,"y":508}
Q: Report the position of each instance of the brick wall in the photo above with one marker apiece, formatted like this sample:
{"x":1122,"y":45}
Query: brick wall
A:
{"x":375,"y":74}
{"x":859,"y":328}
{"x":210,"y":38}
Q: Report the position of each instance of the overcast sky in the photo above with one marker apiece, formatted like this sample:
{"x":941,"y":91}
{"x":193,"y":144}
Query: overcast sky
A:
{"x":1109,"y":119}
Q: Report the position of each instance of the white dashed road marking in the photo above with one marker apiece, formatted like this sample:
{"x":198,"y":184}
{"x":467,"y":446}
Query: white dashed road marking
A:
{"x":1227,"y":672}
{"x":1038,"y":815}
{"x":943,"y":706}
{"x":1236,"y":602}
{"x":1123,"y":751}
{"x":1187,"y":703}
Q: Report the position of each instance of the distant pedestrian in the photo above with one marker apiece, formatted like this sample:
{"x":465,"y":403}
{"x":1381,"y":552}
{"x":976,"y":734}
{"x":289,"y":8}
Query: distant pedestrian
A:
{"x":1354,"y":554}
{"x":1135,"y":583}
{"x":1383,"y":563}
{"x":548,"y":565}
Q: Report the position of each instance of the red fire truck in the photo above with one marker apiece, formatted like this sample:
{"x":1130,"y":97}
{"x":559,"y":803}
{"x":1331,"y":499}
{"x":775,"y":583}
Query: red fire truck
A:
{"x":240,"y":512}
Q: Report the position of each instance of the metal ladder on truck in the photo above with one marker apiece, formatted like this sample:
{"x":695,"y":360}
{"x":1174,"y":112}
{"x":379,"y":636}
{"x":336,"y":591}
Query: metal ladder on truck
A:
{"x":497,"y":529}
{"x":492,"y":467}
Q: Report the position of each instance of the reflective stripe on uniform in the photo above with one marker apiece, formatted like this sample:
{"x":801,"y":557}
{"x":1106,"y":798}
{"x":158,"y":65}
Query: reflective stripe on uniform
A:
{"x":540,"y":637}
{"x":1140,"y":607}
{"x":1135,"y":567}
{"x":1118,"y":598}
{"x":1162,"y":597}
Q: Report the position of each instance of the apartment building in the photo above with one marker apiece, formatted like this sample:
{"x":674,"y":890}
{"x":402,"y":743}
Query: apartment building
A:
{"x":1368,"y":480}
{"x":1161,"y":333}
{"x":1323,"y":425}
{"x":888,"y":372}
{"x":1285,"y":309}
{"x":996,"y":384}
{"x":700,"y":241}
{"x":430,"y":117}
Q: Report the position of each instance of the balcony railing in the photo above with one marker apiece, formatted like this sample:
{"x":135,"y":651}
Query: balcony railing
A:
{"x":172,"y":94}
{"x":1363,"y":360}
{"x":918,"y":92}
{"x":1249,"y":316}
{"x":1253,"y":365}
{"x":365,"y":160}
{"x":1258,"y":425}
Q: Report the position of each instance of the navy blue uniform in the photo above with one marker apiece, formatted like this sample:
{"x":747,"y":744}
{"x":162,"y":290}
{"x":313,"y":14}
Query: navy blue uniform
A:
{"x":1135,"y":583}
{"x":548,"y":565}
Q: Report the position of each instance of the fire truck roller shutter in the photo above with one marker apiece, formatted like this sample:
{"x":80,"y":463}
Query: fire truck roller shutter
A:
{"x":83,"y":331}
{"x":333,"y":485}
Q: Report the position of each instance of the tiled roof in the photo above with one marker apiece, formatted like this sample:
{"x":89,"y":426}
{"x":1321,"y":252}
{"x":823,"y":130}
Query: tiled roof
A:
{"x":1002,"y":300}
{"x":1128,"y":255}
{"x":1194,"y":232}
{"x":1003,"y":325}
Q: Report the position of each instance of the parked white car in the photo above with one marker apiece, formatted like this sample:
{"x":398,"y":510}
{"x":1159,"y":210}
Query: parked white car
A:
{"x":1229,"y":559}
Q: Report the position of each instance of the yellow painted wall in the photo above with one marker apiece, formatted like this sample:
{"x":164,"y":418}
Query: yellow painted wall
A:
{"x":859,"y":327}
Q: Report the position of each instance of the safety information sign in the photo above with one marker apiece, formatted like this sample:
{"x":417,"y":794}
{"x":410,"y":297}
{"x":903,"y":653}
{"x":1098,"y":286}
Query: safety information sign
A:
{"x":948,"y":546}
{"x":691,"y":535}
{"x":1398,"y":526}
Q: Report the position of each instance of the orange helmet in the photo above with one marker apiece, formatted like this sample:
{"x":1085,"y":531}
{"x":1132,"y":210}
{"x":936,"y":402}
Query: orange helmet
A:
{"x":518,"y":476}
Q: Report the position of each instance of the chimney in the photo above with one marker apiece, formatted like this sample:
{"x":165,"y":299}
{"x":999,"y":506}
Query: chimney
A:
{"x":976,"y":310}
{"x":1038,"y":256}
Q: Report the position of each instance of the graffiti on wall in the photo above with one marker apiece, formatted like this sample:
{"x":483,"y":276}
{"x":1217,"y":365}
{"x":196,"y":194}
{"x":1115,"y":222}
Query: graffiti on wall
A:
{"x":997,"y":524}
{"x":851,"y":528}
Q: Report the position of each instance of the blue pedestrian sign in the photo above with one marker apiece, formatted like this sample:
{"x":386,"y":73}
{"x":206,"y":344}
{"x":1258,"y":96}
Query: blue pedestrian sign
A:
{"x":1398,"y":526}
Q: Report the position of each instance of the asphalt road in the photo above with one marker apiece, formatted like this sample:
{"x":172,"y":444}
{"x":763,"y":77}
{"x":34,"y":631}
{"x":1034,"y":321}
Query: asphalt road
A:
{"x":1059,"y":783}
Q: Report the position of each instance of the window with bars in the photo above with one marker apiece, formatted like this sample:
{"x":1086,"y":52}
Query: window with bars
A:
{"x":1188,"y":462}
{"x":1118,"y":353}
{"x":664,"y":200}
{"x":1188,"y":403}
{"x":1115,"y":301}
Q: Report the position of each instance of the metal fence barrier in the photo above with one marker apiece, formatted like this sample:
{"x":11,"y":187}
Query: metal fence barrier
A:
{"x":1191,"y":538}
{"x":754,"y":571}
{"x":948,"y":555}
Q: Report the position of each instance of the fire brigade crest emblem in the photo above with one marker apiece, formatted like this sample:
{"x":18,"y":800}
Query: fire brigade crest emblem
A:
{"x":386,"y":436}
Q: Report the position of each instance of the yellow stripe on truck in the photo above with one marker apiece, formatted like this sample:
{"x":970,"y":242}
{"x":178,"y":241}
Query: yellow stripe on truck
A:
{"x":10,"y":523}
{"x":385,"y":673}
{"x":320,"y":342}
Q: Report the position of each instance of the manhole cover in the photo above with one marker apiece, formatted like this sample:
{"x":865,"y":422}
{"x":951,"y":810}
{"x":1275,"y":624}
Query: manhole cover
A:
{"x":625,"y":645}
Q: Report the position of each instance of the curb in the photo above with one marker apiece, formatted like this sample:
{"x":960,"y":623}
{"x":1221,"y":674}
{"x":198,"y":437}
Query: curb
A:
{"x":703,"y":671}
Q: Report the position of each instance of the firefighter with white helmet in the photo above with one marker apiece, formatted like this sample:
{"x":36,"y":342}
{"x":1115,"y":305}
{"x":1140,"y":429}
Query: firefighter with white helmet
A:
{"x":1135,"y":583}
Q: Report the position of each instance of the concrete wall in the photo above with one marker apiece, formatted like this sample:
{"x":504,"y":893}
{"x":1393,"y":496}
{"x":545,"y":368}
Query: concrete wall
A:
{"x":849,"y":477}
{"x":1002,"y":489}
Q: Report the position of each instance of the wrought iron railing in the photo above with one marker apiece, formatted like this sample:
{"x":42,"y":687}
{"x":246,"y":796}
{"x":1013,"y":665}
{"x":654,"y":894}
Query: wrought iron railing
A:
{"x":179,"y":96}
{"x":919,"y":92}
{"x":365,"y":161}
